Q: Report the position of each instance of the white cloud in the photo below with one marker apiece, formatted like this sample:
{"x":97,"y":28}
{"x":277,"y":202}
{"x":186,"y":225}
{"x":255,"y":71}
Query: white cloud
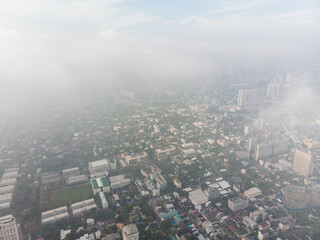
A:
{"x":238,"y":7}
{"x":107,"y":33}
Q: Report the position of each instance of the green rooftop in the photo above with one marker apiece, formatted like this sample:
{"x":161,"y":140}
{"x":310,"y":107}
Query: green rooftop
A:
{"x":173,"y":214}
{"x":94,"y":184}
{"x":103,"y":182}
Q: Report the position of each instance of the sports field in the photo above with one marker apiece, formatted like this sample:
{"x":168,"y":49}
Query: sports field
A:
{"x":62,"y":197}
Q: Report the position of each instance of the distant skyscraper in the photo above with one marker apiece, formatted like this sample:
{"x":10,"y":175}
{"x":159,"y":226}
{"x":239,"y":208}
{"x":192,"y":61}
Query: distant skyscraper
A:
{"x":258,"y":124}
{"x":231,"y":69}
{"x":289,"y":77}
{"x":280,"y":88}
{"x":303,"y":163}
{"x":280,"y":146}
{"x":252,"y":141}
{"x":263,"y":150}
{"x":273,"y":90}
{"x":250,"y":99}
{"x":264,"y":146}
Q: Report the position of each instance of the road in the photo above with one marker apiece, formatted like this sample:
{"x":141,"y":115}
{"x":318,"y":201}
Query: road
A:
{"x":291,"y":133}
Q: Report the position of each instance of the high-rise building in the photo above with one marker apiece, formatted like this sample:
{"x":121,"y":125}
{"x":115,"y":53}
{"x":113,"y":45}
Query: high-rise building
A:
{"x":297,"y":196}
{"x":250,"y":99}
{"x":303,"y":163}
{"x":271,"y":148}
{"x":280,"y":88}
{"x":263,"y":150}
{"x":275,"y":89}
{"x":252,"y":141}
{"x":289,"y":77}
{"x":9,"y":228}
{"x":280,"y":146}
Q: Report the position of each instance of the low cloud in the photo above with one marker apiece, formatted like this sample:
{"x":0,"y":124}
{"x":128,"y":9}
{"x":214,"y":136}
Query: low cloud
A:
{"x":58,"y":49}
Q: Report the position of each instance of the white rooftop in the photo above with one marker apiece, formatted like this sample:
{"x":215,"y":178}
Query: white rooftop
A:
{"x":130,"y":229}
{"x":253,"y":191}
{"x":117,"y":178}
{"x":189,"y":151}
{"x":198,"y":196}
{"x":223,"y":184}
{"x":99,"y":163}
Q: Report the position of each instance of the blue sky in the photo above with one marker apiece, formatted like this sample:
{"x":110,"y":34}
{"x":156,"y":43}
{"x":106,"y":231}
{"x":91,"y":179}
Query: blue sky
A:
{"x":59,"y":15}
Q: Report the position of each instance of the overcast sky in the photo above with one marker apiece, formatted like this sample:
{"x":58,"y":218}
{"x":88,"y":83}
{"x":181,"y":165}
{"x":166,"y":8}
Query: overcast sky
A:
{"x":50,"y":47}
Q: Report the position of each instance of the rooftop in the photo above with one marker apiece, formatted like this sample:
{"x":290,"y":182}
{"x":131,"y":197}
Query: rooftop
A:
{"x":99,"y":163}
{"x":253,"y":191}
{"x":130,"y":229}
{"x":6,"y":218}
{"x":198,"y":196}
{"x":99,"y":182}
{"x":117,"y":178}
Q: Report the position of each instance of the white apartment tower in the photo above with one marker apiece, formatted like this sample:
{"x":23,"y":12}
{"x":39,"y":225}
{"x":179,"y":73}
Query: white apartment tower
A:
{"x":9,"y":229}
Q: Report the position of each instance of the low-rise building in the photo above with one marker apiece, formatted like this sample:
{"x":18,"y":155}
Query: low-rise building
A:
{"x":50,"y":178}
{"x":250,"y":223}
{"x":8,"y":170}
{"x":252,"y":192}
{"x":161,"y":182}
{"x":98,"y":168}
{"x":55,"y":218}
{"x":64,"y":233}
{"x":223,"y":143}
{"x":130,"y":232}
{"x":70,"y":172}
{"x":177,"y":183}
{"x":119,"y":181}
{"x":72,"y":180}
{"x":54,"y":215}
{"x":104,"y":201}
{"x":150,"y":171}
{"x":198,"y":197}
{"x":189,"y":152}
{"x":5,"y":197}
{"x":8,"y":182}
{"x":82,"y":207}
{"x":113,"y":164}
{"x":263,"y":235}
{"x":9,"y":175}
{"x":143,"y":191}
{"x":77,"y":179}
{"x":100,"y":185}
{"x":165,"y":152}
{"x":53,"y":212}
{"x":136,"y":158}
{"x":112,"y":236}
{"x":6,"y":189}
{"x":238,"y":203}
{"x":5,"y":205}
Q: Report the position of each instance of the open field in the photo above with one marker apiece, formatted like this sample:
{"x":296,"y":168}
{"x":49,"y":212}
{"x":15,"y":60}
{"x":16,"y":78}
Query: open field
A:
{"x":62,"y":197}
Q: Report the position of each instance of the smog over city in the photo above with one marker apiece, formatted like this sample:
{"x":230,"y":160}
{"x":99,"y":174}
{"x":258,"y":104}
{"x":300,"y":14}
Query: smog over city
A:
{"x":126,"y":119}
